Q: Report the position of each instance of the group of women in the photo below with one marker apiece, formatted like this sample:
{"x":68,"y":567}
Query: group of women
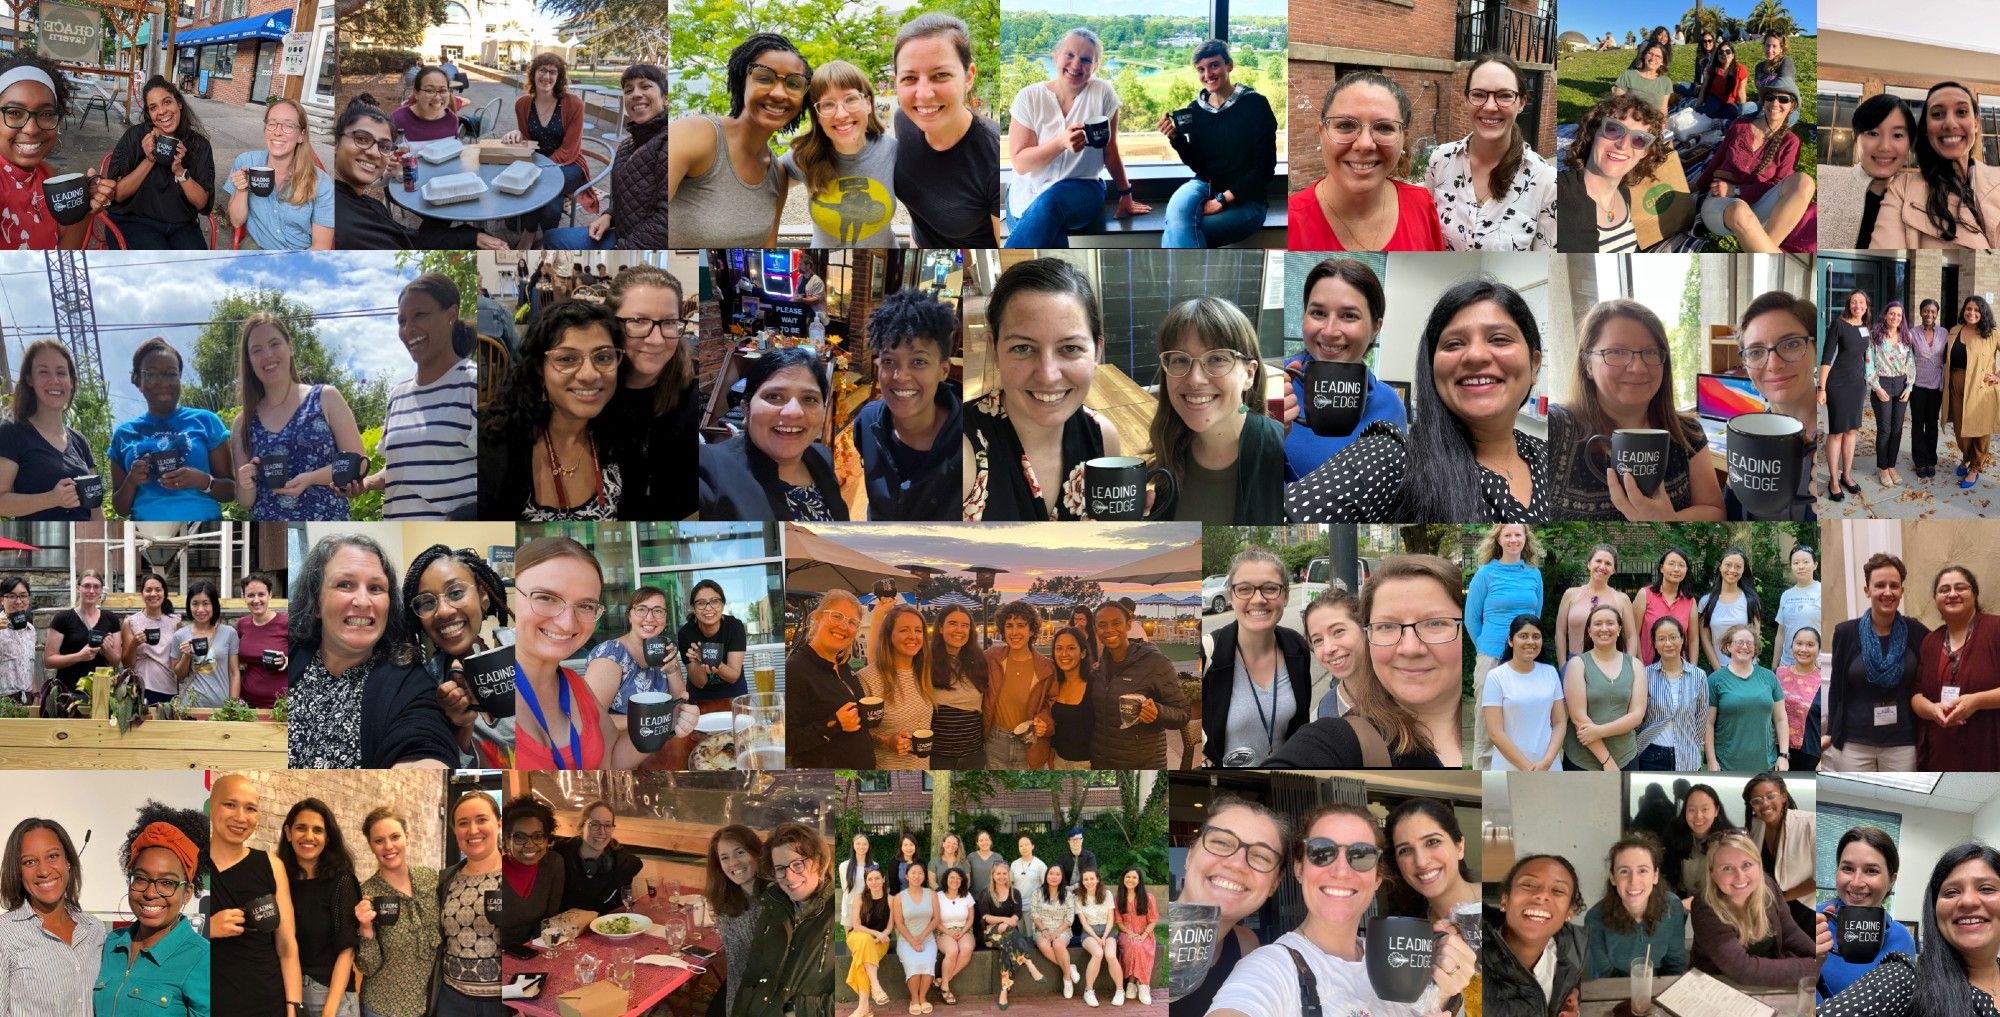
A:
{"x":1667,"y":679}
{"x":60,"y":958}
{"x":725,"y":187}
{"x":1008,"y":707}
{"x":939,"y":912}
{"x":1904,"y":696}
{"x":1922,"y":371}
{"x":1488,"y":191}
{"x":191,"y":656}
{"x":1746,"y":896}
{"x":1242,"y":854}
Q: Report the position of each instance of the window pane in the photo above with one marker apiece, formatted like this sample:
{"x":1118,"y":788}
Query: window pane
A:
{"x":1256,"y":36}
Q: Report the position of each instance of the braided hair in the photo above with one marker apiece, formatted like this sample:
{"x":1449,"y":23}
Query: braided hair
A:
{"x":484,"y":579}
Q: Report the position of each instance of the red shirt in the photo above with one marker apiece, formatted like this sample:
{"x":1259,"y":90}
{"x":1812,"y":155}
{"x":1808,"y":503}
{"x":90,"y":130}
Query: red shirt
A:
{"x":261,"y":685}
{"x":531,"y":754}
{"x":1723,"y":84}
{"x":25,"y":221}
{"x":1417,"y":226}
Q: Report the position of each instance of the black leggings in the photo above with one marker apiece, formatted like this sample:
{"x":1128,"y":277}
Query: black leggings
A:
{"x":1889,"y":419}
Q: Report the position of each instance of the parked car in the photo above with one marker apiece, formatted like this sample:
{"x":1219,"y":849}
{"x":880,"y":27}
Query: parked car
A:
{"x":1214,"y":594}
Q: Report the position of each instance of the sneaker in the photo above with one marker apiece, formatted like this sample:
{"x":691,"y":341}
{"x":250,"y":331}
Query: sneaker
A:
{"x":1118,"y":998}
{"x":1089,"y":997}
{"x":1069,"y":989}
{"x":1146,"y":994}
{"x":1074,"y":974}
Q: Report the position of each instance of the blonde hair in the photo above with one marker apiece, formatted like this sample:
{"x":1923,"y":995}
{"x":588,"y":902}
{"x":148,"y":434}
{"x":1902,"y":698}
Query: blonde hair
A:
{"x":814,"y":152}
{"x":301,"y":176}
{"x":883,"y":655}
{"x":1489,"y":546}
{"x":1751,"y":922}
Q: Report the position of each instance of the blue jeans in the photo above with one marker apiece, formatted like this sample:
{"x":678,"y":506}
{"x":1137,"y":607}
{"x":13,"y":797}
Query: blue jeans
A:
{"x":1066,"y":206}
{"x":143,"y":233}
{"x":577,"y":238}
{"x":1004,"y":751}
{"x":314,"y":994}
{"x":550,"y":214}
{"x":1716,"y":109}
{"x":1187,"y":227}
{"x":1656,"y":758}
{"x":453,"y":1003}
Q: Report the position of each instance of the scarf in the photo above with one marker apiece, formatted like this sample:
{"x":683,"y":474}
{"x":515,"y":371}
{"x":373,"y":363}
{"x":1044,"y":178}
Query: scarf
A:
{"x":1882,"y":660}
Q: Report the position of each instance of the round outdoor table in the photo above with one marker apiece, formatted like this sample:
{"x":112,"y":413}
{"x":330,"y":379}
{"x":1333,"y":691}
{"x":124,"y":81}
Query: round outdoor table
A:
{"x":492,"y":205}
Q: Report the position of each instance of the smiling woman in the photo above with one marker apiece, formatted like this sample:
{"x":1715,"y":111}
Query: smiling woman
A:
{"x":778,"y":468}
{"x":711,"y":201}
{"x":552,"y":413}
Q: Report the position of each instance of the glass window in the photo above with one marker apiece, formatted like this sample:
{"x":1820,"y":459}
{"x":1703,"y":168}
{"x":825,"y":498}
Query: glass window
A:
{"x":323,"y":84}
{"x":671,"y":544}
{"x":219,"y":61}
{"x":873,"y":782}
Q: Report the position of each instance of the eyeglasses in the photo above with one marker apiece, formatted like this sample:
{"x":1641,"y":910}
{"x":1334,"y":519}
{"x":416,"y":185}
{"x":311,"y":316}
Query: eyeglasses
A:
{"x":765,"y":77}
{"x":426,"y":604}
{"x":649,"y":612}
{"x":1613,"y":131}
{"x":1652,"y":356}
{"x":1767,"y":798}
{"x":707,"y":602}
{"x":143,"y":885}
{"x":1346,"y":129}
{"x":1244,"y":591}
{"x":1361,"y":857}
{"x":16,"y":595}
{"x":1223,"y":844}
{"x":640,"y":328}
{"x":568,"y":361}
{"x":796,"y":869}
{"x":526,"y":839}
{"x":363,"y":139}
{"x":1785,"y":98}
{"x":281,"y":127}
{"x":1504,"y":97}
{"x":148,"y":377}
{"x":1430,"y":630}
{"x":548,"y":605}
{"x":434,"y":91}
{"x":1789,"y":349}
{"x":597,"y":827}
{"x":1214,"y":363}
{"x":17,"y":117}
{"x":852,"y":104}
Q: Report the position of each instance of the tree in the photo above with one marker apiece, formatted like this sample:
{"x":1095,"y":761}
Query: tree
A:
{"x":458,"y":265}
{"x":1769,"y":16}
{"x":979,"y":16}
{"x":1078,"y":590}
{"x":938,"y":586}
{"x":216,"y":346}
{"x":1687,"y":332}
{"x":394,"y":23}
{"x":1140,"y":110}
{"x":1630,"y":37}
{"x":705,"y":31}
{"x":1218,"y":545}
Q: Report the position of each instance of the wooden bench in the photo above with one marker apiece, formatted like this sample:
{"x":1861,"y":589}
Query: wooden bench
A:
{"x":981,"y":978}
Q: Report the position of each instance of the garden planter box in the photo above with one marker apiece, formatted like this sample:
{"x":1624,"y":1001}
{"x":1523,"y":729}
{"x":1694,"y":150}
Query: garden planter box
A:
{"x":95,"y":744}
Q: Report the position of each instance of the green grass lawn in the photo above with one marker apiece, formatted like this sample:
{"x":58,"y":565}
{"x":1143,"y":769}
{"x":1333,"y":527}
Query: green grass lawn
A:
{"x":1584,"y":78}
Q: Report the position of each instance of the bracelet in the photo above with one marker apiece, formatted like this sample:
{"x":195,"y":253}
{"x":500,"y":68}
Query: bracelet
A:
{"x":1127,"y":190}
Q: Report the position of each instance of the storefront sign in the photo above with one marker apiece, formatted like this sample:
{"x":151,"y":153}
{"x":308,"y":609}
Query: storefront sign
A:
{"x":69,"y":33}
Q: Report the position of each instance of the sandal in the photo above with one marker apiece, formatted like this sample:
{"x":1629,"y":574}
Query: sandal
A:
{"x":949,"y":999}
{"x":881,"y":998}
{"x":926,"y":1007}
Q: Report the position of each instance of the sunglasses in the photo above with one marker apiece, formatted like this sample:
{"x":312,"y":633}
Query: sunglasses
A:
{"x":1361,"y":856}
{"x":1614,"y":131}
{"x":1769,"y":98}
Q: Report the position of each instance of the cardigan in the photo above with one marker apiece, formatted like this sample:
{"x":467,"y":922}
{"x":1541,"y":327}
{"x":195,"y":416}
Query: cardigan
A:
{"x":1850,"y":702}
{"x":1973,"y":746}
{"x":400,"y":720}
{"x":1795,"y":847}
{"x":1718,"y":950}
{"x":570,"y":107}
{"x":1576,"y":213}
{"x":740,"y":483}
{"x":1218,"y":683}
{"x":1260,"y":475}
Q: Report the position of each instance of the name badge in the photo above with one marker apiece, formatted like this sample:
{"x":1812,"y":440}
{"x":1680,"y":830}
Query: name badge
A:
{"x":1948,"y":696}
{"x":1864,"y":331}
{"x":1885,"y":715}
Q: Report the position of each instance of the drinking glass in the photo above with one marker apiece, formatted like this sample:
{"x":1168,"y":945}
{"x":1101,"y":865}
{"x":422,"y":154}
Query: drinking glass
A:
{"x":623,"y":969}
{"x":676,"y":929}
{"x":758,"y":721}
{"x":587,"y":965}
{"x":1642,"y":987}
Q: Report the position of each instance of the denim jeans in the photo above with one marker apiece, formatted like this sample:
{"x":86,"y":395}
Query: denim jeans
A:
{"x":1187,"y":227}
{"x":1066,"y":206}
{"x":549,"y":215}
{"x":577,"y":238}
{"x":453,"y":1003}
{"x":314,"y":993}
{"x":1656,"y":758}
{"x":974,"y":760}
{"x":1004,"y":751}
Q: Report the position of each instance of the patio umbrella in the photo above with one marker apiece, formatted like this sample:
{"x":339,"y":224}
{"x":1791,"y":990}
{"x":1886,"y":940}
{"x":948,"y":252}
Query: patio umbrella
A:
{"x":813,"y":562}
{"x":10,"y":544}
{"x":953,"y":599}
{"x":1045,"y":600}
{"x":1174,"y":565}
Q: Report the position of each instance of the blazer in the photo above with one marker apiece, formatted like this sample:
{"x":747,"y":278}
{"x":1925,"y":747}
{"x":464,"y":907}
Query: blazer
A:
{"x":1903,"y":223}
{"x":1795,"y":847}
{"x":1842,"y":715}
{"x":740,"y":483}
{"x":1218,"y":683}
{"x":1576,"y":213}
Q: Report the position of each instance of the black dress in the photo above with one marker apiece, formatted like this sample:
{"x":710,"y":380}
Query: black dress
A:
{"x":1001,"y":491}
{"x":248,"y":982}
{"x":1846,"y":388}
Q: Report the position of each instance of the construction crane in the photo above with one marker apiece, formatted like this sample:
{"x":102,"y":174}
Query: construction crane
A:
{"x":76,"y":314}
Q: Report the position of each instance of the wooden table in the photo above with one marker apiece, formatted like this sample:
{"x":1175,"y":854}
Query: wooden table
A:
{"x":650,"y":983}
{"x":1602,"y":995}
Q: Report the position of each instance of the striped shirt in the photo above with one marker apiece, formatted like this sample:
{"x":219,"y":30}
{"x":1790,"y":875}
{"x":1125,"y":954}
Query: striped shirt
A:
{"x":1619,"y":239}
{"x":1676,"y":714}
{"x":430,"y":446}
{"x":40,"y":975}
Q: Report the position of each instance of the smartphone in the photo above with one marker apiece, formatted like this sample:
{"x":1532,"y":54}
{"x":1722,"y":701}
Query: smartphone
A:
{"x":698,"y":954}
{"x":520,"y":952}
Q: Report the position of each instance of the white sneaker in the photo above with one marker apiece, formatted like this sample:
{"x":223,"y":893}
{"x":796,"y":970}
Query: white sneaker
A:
{"x":1074,"y":974}
{"x":1118,"y":998}
{"x":1146,"y":994}
{"x":1069,"y":989}
{"x":1090,"y":997}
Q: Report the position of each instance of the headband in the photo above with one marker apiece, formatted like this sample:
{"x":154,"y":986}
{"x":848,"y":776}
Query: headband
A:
{"x":165,"y":835}
{"x":27,"y":72}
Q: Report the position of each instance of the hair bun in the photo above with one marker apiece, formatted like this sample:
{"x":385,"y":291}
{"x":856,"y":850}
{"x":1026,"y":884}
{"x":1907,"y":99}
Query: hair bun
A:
{"x":364,"y":99}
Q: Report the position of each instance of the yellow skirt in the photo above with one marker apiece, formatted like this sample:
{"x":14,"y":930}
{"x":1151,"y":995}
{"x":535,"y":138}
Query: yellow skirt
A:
{"x":866,"y":950}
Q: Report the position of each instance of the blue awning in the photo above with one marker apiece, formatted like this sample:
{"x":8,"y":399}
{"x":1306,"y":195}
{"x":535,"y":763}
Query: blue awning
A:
{"x":261,"y":26}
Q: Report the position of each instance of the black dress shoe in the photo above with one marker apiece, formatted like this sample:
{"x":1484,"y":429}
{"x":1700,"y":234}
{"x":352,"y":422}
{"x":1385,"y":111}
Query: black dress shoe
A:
{"x":1852,"y":487}
{"x":1835,"y":495}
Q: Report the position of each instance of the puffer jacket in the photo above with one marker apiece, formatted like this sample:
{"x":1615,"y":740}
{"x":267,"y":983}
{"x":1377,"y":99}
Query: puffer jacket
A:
{"x":790,"y":965}
{"x":1144,"y":671}
{"x":639,"y":188}
{"x":1510,"y":989}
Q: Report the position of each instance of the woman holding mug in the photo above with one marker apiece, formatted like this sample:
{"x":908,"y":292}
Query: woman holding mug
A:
{"x":162,"y":863}
{"x":1875,"y":669}
{"x":1746,"y":709}
{"x":41,"y":456}
{"x":82,"y":638}
{"x":1209,"y":430}
{"x":1238,"y":867}
{"x":469,"y":895}
{"x":1958,"y":680}
{"x":1605,"y":690}
{"x":1637,"y":918}
{"x":1953,"y":200}
{"x":1493,"y":192}
{"x":1014,"y":665}
{"x":898,"y":673}
{"x":1883,"y":127}
{"x":147,"y":637}
{"x":165,"y":172}
{"x":205,"y":649}
{"x":1954,"y":974}
{"x":449,"y":595}
{"x":325,"y":896}
{"x":250,"y":925}
{"x":38,"y":94}
{"x":823,"y":726}
{"x":20,"y":671}
{"x":1868,"y":862}
{"x":170,"y":463}
{"x":712,"y":643}
{"x":1344,"y":306}
{"x":1362,"y":203}
{"x":300,"y":430}
{"x":1431,"y":879}
{"x":1027,"y":439}
{"x":395,"y":955}
{"x":621,"y":668}
{"x":958,"y":695}
{"x":1065,"y":131}
{"x":1775,"y":340}
{"x":1742,"y":931}
{"x":294,"y":212}
{"x":778,"y":469}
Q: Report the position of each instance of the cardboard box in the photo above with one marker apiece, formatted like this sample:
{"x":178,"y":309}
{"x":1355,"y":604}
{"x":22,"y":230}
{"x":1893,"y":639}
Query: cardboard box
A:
{"x":492,"y":150}
{"x":598,"y":999}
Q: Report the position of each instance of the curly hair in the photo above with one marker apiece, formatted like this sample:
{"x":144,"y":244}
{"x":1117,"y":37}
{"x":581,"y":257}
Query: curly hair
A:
{"x":1986,"y":323}
{"x":1018,"y":609}
{"x":303,"y":626}
{"x":192,"y":824}
{"x":528,"y":807}
{"x":737,"y":74}
{"x":522,"y":411}
{"x":484,"y":579}
{"x":190,"y":124}
{"x":1621,"y":107}
{"x":542,"y":60}
{"x":29,"y":58}
{"x":909,"y":315}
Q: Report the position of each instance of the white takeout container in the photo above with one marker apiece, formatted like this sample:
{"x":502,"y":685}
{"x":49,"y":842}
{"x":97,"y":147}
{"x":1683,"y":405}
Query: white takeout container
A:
{"x":441,"y":151}
{"x":518,"y":177}
{"x":443,"y":190}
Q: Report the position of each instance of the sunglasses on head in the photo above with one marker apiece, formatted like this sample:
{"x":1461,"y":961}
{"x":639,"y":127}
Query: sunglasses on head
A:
{"x":1614,"y":131}
{"x":1361,"y":856}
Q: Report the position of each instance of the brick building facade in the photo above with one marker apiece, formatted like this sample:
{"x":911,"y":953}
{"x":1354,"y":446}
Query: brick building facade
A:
{"x":233,"y":66}
{"x":1425,"y":46}
{"x":418,"y":795}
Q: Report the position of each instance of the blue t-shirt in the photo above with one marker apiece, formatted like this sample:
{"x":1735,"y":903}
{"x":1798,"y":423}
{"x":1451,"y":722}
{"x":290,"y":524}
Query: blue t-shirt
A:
{"x":1497,"y":593}
{"x":277,"y":224}
{"x":194,"y":433}
{"x":1835,"y":974}
{"x":1305,"y":451}
{"x":1797,"y":609}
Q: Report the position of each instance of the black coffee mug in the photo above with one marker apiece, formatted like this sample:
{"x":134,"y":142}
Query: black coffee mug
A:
{"x":1858,"y":932}
{"x":495,"y":903}
{"x":152,"y":637}
{"x":271,"y":657}
{"x":872,"y":711}
{"x":489,"y":676}
{"x":165,"y":462}
{"x":656,"y":651}
{"x":95,"y":638}
{"x":68,"y":197}
{"x":387,"y":910}
{"x":1114,"y":489}
{"x":1336,"y":397}
{"x":1183,"y":121}
{"x":649,"y":719}
{"x":198,"y":646}
{"x":1637,"y":452}
{"x":349,"y":467}
{"x":274,"y":470}
{"x":89,"y":491}
{"x":17,"y":620}
{"x":1097,"y":132}
{"x":711,"y":654}
{"x":1766,"y":454}
{"x":1399,"y":953}
{"x":921,"y":741}
{"x":164,"y":148}
{"x":262,"y":180}
{"x":261,"y":915}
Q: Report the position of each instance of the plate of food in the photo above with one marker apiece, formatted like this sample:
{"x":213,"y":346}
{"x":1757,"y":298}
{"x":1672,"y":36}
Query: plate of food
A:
{"x":714,"y":752}
{"x":621,"y":925}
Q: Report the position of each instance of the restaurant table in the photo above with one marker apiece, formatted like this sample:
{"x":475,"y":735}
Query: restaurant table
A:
{"x":488,"y":207}
{"x":650,"y":983}
{"x":1602,"y":995}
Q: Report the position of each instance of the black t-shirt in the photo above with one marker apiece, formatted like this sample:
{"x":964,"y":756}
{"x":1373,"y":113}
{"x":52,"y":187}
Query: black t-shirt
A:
{"x":730,"y":637}
{"x":1329,"y":744}
{"x":158,"y":197}
{"x":75,"y":634}
{"x":40,"y":466}
{"x":323,"y":915}
{"x":1196,"y":1003}
{"x":361,"y":223}
{"x":952,"y":195}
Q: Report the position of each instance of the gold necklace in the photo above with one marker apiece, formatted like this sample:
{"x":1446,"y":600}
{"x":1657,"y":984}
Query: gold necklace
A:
{"x":1361,"y":241}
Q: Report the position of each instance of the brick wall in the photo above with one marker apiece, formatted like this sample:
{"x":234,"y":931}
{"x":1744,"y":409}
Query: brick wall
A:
{"x":236,"y":89}
{"x":352,"y":794}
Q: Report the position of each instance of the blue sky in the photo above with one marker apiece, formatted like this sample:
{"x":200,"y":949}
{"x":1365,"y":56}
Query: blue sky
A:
{"x":156,"y":288}
{"x":1595,"y":17}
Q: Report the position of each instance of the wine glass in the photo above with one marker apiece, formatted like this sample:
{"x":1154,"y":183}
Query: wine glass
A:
{"x":676,"y":930}
{"x":629,"y":895}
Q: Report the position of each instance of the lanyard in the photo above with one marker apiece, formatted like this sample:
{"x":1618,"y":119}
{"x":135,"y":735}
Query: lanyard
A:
{"x":562,"y":702}
{"x":1271,"y":722}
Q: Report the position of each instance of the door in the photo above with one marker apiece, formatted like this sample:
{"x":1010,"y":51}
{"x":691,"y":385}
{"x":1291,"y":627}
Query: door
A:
{"x":267,"y":57}
{"x":1948,"y":301}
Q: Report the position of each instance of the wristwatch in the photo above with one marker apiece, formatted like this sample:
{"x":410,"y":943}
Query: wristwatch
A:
{"x":1125,"y":191}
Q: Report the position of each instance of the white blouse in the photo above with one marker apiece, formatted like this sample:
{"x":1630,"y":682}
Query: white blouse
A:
{"x":1037,"y":108}
{"x":1522,"y":219}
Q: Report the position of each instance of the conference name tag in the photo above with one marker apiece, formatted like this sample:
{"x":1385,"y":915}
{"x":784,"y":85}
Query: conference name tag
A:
{"x":1885,"y":715}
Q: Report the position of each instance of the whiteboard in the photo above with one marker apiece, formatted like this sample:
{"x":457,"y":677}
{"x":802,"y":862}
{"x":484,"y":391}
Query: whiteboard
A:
{"x":103,"y":805}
